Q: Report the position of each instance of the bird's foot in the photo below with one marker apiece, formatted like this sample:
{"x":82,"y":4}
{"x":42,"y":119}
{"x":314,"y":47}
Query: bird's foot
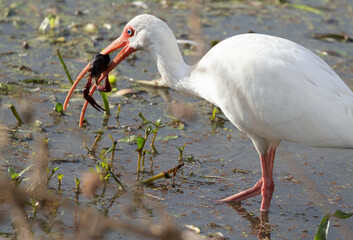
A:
{"x":251,"y":192}
{"x":266,"y":190}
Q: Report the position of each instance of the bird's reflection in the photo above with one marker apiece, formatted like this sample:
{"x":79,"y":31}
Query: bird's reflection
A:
{"x":259,"y":225}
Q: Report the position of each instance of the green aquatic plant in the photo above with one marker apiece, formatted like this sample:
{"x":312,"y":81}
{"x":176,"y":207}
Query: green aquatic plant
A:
{"x":105,"y":167}
{"x":144,"y":120}
{"x":15,"y":113}
{"x":105,"y":103}
{"x":181,"y":150}
{"x":50,"y":173}
{"x":157,"y":125}
{"x":59,"y":108}
{"x":117,"y":115}
{"x":140,"y":145}
{"x":60,"y":177}
{"x":143,"y":158}
{"x":15,"y":176}
{"x":77,"y":185}
{"x":94,"y":146}
{"x":322,"y":231}
{"x":214,"y":112}
{"x":64,"y":66}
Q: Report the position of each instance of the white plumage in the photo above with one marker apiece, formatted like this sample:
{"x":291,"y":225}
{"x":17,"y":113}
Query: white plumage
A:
{"x":278,"y":90}
{"x":270,"y":88}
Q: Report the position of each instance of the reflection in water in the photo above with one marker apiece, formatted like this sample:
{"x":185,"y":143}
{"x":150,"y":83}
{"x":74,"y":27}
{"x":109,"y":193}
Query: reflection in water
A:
{"x":260,"y":226}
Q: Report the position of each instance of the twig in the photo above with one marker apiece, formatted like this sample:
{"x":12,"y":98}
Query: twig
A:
{"x":94,"y":145}
{"x":165,"y":174}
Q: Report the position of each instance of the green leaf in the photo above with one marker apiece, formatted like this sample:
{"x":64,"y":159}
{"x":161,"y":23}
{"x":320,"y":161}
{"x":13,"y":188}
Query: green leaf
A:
{"x":60,"y":176}
{"x":77,"y":181}
{"x":215,"y":110}
{"x":170,"y":138}
{"x":51,"y":18}
{"x":109,"y":150}
{"x":305,"y":8}
{"x":111,"y":137}
{"x":104,"y":165}
{"x":322,"y":231}
{"x":13,"y":174}
{"x":342,"y":215}
{"x":140,"y":142}
{"x":59,"y":108}
{"x":128,"y":139}
{"x":24,"y":170}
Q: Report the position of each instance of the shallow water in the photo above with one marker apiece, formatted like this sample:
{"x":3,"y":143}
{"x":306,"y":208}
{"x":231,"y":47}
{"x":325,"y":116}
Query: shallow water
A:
{"x":309,"y":182}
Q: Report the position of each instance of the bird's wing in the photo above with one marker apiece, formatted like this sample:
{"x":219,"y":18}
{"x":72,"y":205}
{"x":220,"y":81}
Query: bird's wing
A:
{"x":274,"y":88}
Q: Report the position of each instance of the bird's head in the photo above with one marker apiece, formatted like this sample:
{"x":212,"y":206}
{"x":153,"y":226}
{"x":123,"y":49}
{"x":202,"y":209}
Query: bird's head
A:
{"x":144,"y":32}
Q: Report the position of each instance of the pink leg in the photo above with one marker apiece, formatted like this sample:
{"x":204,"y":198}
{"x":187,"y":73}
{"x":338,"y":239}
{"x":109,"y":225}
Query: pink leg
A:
{"x":251,"y":192}
{"x":264,"y":186}
{"x":267,"y":184}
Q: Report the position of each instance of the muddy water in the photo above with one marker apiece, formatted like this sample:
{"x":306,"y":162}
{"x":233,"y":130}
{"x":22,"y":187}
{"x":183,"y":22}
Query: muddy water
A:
{"x":309,"y":182}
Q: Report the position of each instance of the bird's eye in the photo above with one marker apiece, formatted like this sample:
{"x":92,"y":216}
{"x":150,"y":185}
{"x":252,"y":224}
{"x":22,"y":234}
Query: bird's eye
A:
{"x":129,"y":31}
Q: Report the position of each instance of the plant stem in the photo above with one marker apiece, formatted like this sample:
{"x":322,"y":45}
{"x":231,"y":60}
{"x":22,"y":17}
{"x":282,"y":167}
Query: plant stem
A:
{"x":116,"y":179}
{"x":165,"y":174}
{"x":143,"y":160}
{"x":158,"y":176}
{"x":105,"y":103}
{"x":113,"y":150}
{"x":118,"y":112}
{"x":117,"y":115}
{"x":181,"y":152}
{"x":139,"y":161}
{"x":154,"y":150}
{"x":14,"y":112}
{"x":144,"y":120}
{"x":64,"y":66}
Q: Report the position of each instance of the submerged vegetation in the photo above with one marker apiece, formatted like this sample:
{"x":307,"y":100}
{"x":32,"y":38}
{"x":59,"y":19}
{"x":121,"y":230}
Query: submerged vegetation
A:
{"x":59,"y":181}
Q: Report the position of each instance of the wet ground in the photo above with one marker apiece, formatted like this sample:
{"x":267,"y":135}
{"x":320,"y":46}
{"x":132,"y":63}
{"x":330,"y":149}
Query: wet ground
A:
{"x":219,"y":160}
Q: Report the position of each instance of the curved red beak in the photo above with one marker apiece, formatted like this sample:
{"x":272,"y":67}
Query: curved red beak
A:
{"x":120,"y":42}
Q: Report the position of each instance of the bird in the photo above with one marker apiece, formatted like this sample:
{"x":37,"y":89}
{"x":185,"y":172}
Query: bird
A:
{"x":270,"y":88}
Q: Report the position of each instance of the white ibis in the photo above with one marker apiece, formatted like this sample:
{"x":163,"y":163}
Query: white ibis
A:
{"x":270,"y":88}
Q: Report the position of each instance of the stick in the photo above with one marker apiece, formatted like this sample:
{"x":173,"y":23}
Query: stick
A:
{"x":165,"y":174}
